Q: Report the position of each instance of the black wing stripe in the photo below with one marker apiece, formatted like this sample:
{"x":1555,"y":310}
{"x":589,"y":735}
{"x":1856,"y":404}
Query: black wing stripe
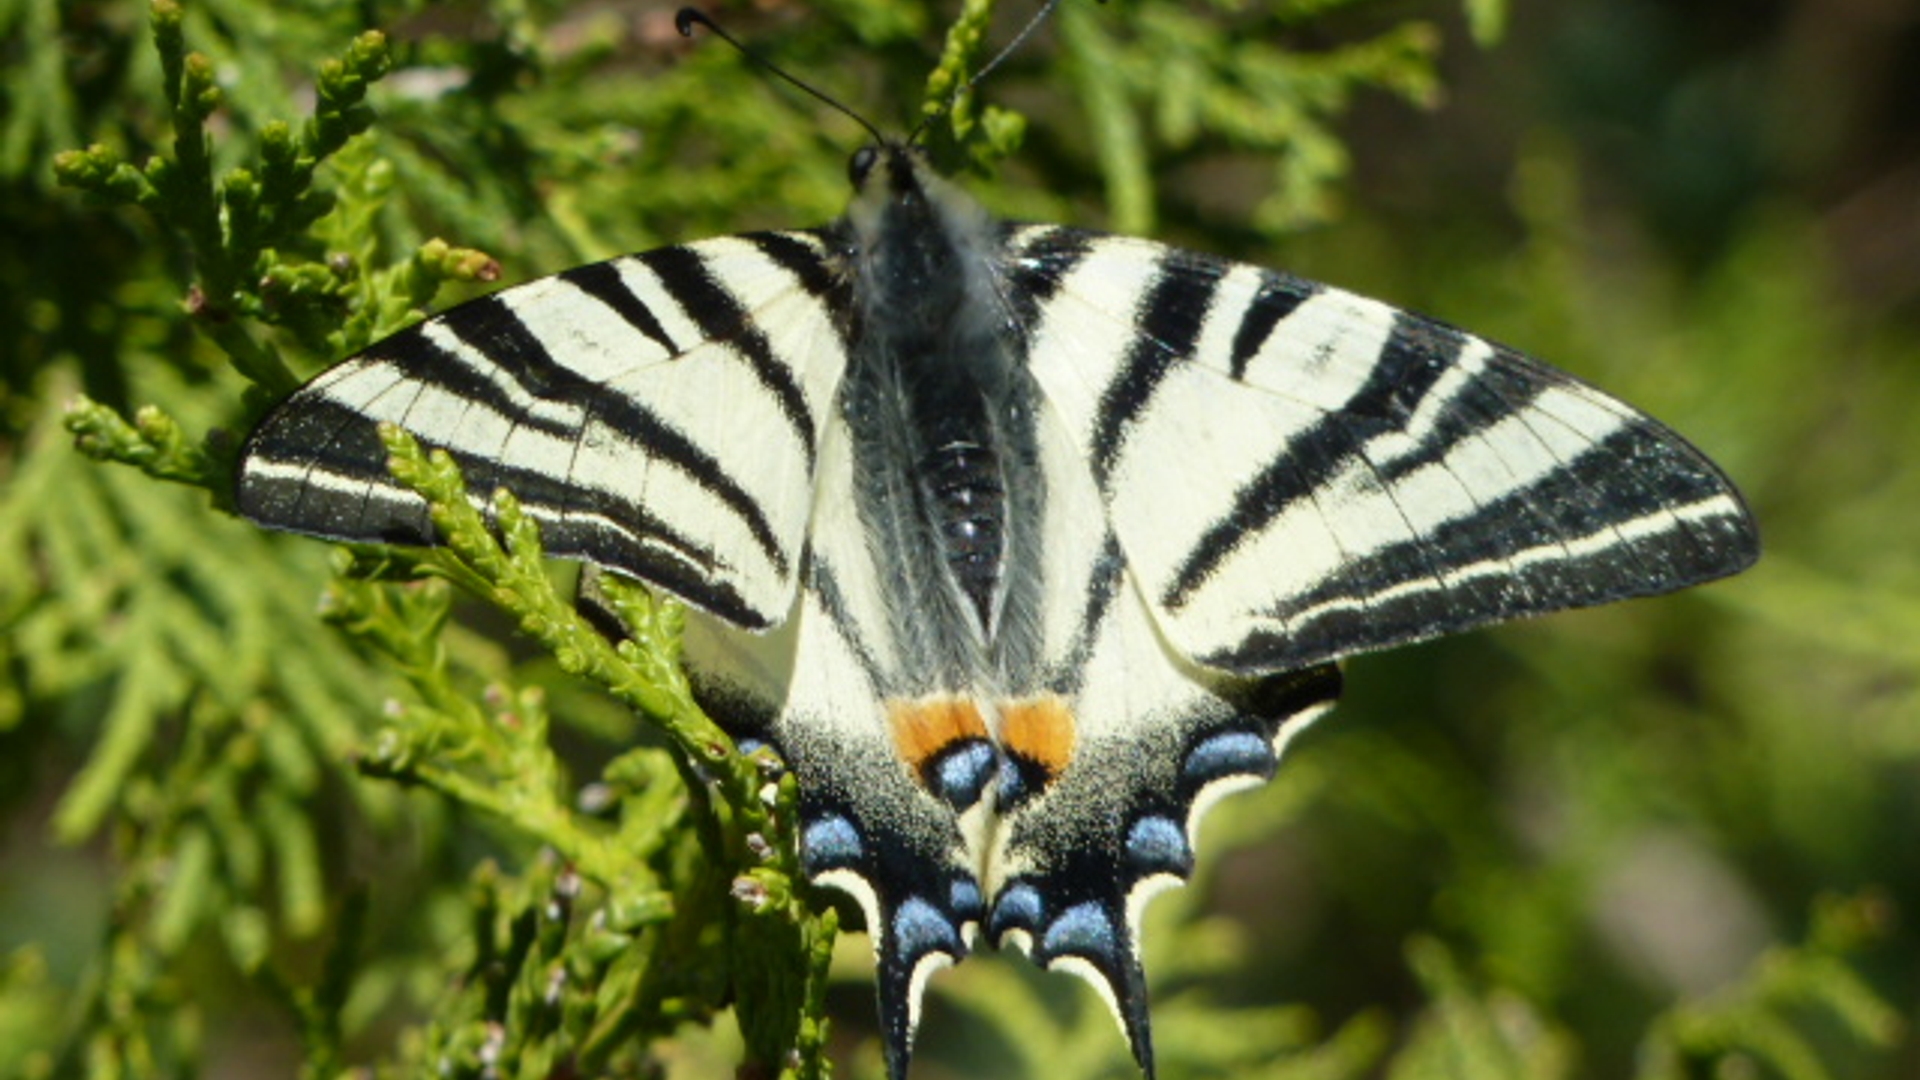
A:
{"x":1168,"y":319}
{"x":1102,"y":587}
{"x":334,"y":454}
{"x":656,"y":438}
{"x":419,"y":356}
{"x":823,"y":581}
{"x":491,"y":328}
{"x":800,"y":254}
{"x":1417,"y":353}
{"x":1279,"y":296}
{"x":603,"y":282}
{"x":1043,"y":259}
{"x":720,"y":317}
{"x":1284,"y":483}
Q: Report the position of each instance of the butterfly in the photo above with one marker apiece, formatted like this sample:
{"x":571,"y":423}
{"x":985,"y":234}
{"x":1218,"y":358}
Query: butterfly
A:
{"x":1020,"y":543}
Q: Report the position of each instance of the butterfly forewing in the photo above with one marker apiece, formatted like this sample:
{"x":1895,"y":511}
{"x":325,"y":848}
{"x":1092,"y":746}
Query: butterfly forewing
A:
{"x":638,"y":408}
{"x":1298,"y":474}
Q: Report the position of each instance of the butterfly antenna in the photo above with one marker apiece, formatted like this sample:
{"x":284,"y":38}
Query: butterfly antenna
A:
{"x":687,"y":18}
{"x":1011,"y":47}
{"x":1019,"y":39}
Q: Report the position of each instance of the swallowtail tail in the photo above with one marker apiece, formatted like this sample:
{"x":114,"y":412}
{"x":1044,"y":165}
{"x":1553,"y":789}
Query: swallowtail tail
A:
{"x":1020,"y":543}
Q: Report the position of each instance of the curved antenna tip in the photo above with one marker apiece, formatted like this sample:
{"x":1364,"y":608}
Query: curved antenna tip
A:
{"x":687,"y":18}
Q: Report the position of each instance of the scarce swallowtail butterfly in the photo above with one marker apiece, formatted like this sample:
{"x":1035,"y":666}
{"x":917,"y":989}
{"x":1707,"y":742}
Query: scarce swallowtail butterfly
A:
{"x":1020,"y":543}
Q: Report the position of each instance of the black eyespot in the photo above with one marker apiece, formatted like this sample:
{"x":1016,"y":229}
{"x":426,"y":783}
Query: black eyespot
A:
{"x":862,"y":163}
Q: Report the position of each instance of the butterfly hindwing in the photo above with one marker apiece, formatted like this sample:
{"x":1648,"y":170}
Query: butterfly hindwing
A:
{"x":1297,"y":473}
{"x":637,"y":407}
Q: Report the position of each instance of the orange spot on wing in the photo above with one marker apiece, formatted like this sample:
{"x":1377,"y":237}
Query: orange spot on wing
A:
{"x":922,"y":729}
{"x":1040,"y":730}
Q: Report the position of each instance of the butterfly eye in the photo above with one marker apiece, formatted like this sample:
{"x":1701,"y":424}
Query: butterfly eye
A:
{"x":860,"y":164}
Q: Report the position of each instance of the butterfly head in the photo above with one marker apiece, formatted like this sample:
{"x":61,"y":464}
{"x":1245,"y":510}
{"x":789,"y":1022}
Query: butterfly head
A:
{"x":895,"y":160}
{"x":915,"y":235}
{"x":895,"y":185}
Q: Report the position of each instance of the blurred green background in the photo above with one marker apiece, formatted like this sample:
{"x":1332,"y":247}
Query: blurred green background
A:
{"x":1675,"y":838}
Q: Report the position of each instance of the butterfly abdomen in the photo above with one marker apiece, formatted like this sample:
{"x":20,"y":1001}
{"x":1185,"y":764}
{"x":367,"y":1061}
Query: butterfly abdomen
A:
{"x":965,"y":499}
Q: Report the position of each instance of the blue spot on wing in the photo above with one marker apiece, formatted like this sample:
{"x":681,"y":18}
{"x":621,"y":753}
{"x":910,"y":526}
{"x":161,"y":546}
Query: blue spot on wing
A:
{"x":1231,"y":753}
{"x":1018,"y":907}
{"x":1011,"y":791}
{"x":1158,"y":845}
{"x":960,"y":775}
{"x":920,"y":928}
{"x":963,"y":896}
{"x":829,"y":843}
{"x":1083,"y":930}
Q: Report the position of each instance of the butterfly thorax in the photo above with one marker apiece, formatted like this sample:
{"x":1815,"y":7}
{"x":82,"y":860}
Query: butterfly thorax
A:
{"x":931,"y":397}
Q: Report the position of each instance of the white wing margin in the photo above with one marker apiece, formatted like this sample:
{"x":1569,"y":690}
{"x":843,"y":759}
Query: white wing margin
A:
{"x":634,"y":406}
{"x":1296,"y":473}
